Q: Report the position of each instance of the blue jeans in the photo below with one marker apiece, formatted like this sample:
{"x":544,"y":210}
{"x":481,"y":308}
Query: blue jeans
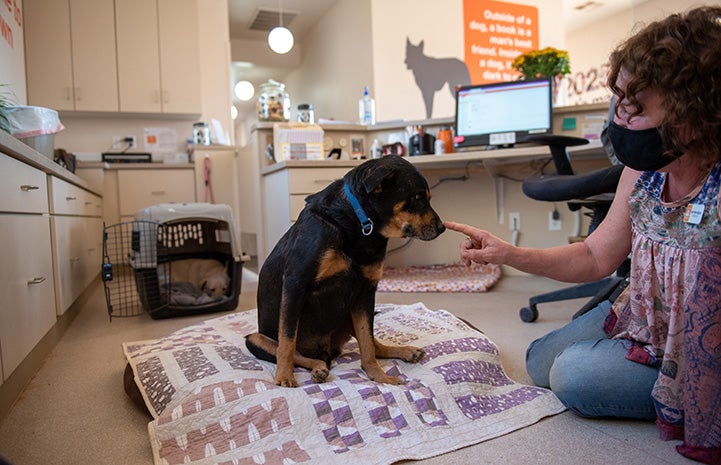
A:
{"x":588,"y":371}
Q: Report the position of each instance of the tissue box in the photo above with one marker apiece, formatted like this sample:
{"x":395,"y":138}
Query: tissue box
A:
{"x":297,"y":141}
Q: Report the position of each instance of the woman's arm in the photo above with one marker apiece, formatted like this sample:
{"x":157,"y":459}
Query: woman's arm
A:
{"x":596,"y":257}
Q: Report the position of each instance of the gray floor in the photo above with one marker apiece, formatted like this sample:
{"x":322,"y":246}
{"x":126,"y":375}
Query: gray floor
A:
{"x":75,"y":411}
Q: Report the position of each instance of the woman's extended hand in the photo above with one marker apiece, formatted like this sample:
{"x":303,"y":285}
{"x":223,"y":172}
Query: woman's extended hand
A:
{"x":480,"y":246}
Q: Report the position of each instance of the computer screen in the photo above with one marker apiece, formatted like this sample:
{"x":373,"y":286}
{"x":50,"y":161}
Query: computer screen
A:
{"x":502,"y":113}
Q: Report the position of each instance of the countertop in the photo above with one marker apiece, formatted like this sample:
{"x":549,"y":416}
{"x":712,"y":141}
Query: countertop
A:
{"x":12,"y":147}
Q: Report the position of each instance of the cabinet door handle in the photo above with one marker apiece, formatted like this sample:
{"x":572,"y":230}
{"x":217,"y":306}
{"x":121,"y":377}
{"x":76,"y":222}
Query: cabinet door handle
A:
{"x":69,"y":198}
{"x":37,"y":280}
{"x":88,"y":203}
{"x":28,"y":187}
{"x":68,"y":93}
{"x":323,"y":181}
{"x":157,"y":193}
{"x":74,"y":259}
{"x":77,"y":94}
{"x":165,"y":96}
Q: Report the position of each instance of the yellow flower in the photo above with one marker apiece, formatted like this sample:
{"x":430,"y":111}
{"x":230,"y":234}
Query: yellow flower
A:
{"x":545,"y":62}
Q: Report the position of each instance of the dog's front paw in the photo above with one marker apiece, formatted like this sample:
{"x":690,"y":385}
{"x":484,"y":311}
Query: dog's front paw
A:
{"x":285,"y":380}
{"x":412,"y":354}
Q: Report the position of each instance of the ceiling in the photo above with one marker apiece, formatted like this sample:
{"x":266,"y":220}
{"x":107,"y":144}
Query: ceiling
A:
{"x":307,"y":13}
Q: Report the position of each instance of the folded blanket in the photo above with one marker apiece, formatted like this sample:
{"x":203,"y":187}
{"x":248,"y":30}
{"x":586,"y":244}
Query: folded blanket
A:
{"x":214,"y":403}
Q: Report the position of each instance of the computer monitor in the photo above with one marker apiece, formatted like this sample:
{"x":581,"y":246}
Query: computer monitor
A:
{"x":503,"y":113}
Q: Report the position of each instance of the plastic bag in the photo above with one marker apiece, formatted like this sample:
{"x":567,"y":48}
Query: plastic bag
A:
{"x":29,"y":121}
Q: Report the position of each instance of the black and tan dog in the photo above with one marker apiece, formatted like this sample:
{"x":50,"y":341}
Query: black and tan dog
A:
{"x":317,"y":287}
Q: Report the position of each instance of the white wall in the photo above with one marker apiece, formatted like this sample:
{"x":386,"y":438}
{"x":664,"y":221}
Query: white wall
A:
{"x":12,"y":53}
{"x":216,"y":88}
{"x":441,"y":30}
{"x":337,"y":57}
{"x":363,"y":42}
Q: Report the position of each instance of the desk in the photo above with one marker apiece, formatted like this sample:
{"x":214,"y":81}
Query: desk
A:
{"x":286,"y":184}
{"x":282,"y":187}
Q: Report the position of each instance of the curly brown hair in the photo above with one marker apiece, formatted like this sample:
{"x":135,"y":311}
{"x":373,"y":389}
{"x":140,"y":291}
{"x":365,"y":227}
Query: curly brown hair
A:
{"x":680,"y":58}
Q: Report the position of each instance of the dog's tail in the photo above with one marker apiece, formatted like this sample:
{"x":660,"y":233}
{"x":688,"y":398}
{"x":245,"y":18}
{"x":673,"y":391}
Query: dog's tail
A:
{"x":262,"y":347}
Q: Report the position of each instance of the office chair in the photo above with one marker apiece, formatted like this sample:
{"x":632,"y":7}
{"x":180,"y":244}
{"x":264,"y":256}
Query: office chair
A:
{"x":593,"y":190}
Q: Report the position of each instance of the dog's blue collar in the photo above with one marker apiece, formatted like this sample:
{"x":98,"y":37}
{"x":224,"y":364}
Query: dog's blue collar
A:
{"x":366,"y":223}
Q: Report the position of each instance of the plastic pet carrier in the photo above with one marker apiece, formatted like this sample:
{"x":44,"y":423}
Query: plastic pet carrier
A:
{"x":161,"y":262}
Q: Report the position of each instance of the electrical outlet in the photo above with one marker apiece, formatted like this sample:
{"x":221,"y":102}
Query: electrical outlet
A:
{"x":514,"y":221}
{"x":124,"y":142}
{"x":553,"y":225}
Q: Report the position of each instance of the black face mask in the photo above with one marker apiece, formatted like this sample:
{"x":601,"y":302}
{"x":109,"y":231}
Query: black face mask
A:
{"x":641,"y":150}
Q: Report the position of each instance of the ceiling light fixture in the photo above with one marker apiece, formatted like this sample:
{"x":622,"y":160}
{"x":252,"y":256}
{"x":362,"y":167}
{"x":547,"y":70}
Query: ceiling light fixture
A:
{"x":244,"y":90}
{"x":280,"y":38}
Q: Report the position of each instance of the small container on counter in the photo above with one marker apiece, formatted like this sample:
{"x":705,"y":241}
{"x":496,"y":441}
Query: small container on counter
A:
{"x":201,"y":133}
{"x":305,"y":113}
{"x":273,"y":102}
{"x":446,"y":135}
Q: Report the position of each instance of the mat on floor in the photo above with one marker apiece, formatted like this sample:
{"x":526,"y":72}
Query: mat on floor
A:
{"x":455,"y":277}
{"x":214,"y":403}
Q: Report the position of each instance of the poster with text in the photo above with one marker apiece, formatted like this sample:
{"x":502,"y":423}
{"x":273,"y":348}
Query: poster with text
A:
{"x":494,"y":34}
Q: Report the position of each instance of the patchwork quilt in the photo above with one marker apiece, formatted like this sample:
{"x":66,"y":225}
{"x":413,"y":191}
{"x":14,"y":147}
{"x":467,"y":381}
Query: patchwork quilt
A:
{"x":214,"y":403}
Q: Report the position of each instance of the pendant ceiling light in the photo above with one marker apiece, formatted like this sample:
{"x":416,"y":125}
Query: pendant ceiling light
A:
{"x":280,"y":38}
{"x":244,"y":90}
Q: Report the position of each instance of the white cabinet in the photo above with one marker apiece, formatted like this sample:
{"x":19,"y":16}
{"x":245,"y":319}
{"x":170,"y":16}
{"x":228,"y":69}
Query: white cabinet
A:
{"x":70,"y":54}
{"x":284,"y":193}
{"x":27,"y":307}
{"x":77,"y":243}
{"x":76,"y":228}
{"x":141,"y":188}
{"x":136,"y":56}
{"x":158,"y":55}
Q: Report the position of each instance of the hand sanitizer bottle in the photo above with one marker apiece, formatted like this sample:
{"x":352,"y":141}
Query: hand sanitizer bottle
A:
{"x":376,"y":150}
{"x":367,"y":109}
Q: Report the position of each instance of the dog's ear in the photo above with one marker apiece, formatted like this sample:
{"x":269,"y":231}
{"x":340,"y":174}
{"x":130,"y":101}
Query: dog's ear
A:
{"x":374,"y":177}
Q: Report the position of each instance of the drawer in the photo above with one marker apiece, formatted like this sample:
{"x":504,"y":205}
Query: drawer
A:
{"x":69,"y":199}
{"x":311,"y":180}
{"x":139,"y":189}
{"x":22,"y":187}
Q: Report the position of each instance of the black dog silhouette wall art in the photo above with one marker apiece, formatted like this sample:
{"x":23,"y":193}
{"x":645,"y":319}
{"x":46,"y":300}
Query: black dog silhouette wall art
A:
{"x":432,"y":74}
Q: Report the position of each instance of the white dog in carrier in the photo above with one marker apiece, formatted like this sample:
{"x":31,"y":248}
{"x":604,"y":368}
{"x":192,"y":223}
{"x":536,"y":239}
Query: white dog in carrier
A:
{"x":173,"y":260}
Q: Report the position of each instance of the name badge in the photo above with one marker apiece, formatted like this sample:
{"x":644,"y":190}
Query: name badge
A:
{"x":693,"y":213}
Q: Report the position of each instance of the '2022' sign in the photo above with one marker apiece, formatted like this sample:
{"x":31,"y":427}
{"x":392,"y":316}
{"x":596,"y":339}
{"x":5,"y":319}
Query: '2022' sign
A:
{"x":587,"y":86}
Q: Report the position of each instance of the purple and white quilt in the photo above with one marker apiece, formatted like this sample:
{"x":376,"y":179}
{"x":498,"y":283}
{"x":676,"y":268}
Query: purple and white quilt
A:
{"x":214,"y":403}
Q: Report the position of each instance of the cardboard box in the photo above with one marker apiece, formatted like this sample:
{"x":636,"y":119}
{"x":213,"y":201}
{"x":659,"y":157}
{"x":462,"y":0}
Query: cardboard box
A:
{"x":297,"y":141}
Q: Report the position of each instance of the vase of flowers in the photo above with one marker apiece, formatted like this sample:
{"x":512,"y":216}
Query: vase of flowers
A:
{"x":548,"y":62}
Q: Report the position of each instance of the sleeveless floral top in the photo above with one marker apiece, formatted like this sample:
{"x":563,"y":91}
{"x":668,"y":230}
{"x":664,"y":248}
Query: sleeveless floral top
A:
{"x":671,"y":311}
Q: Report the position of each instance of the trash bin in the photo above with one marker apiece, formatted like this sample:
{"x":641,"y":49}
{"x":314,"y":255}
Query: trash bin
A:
{"x":36,"y":127}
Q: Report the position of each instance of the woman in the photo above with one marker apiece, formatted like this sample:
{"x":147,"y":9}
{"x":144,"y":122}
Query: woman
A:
{"x":655,"y":353}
